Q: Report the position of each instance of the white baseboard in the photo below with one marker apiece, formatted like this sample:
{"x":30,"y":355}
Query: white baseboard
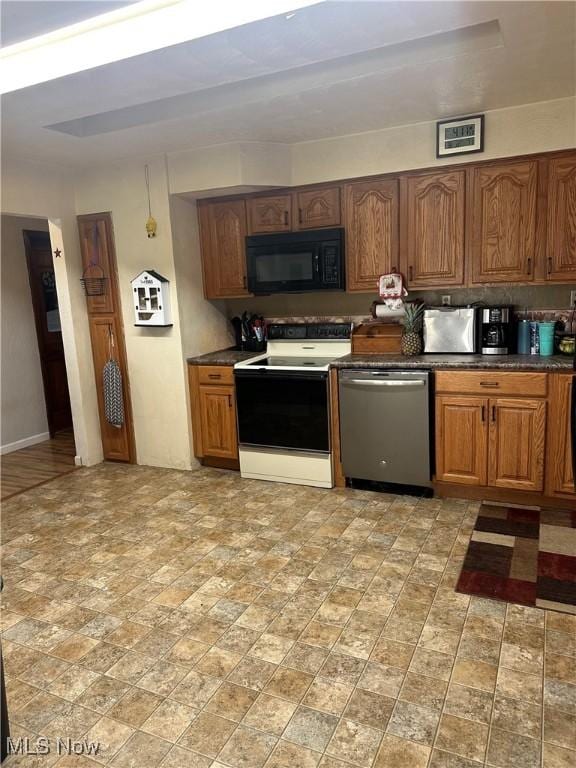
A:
{"x":24,"y":443}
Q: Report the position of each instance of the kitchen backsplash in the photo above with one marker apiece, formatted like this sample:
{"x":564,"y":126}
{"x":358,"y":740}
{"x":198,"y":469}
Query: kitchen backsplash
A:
{"x":535,"y":299}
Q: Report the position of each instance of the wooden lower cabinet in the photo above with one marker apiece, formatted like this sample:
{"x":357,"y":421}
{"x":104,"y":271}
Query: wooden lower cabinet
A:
{"x":559,"y":478}
{"x":461,"y":439}
{"x":213,"y":407}
{"x":517,"y":439}
{"x":218,"y":420}
{"x":497,"y":442}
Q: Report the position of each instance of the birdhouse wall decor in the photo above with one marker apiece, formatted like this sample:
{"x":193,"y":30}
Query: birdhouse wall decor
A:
{"x":151,"y":294}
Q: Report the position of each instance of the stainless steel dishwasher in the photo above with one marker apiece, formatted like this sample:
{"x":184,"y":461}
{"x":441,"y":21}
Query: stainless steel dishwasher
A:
{"x":385,"y":426}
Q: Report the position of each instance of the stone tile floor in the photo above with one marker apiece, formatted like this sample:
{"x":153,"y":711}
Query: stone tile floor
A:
{"x":198,"y":620}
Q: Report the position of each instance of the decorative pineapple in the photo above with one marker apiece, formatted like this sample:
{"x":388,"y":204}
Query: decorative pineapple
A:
{"x":412,"y":336}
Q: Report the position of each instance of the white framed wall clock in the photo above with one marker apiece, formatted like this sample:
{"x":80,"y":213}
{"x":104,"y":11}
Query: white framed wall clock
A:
{"x":460,"y":136}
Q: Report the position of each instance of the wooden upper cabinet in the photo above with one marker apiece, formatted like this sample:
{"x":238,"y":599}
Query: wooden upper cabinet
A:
{"x":272,"y":213}
{"x":503,"y":217}
{"x":561,"y":224}
{"x":559,"y":477}
{"x":223,"y":233}
{"x":316,"y":208}
{"x":516,"y":444}
{"x":97,"y":248}
{"x":371,"y":219}
{"x":461,"y":439}
{"x":434,"y":229}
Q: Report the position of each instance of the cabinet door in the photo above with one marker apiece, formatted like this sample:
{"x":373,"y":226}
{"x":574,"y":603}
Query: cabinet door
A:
{"x":504,"y":222}
{"x":107,"y":340}
{"x":95,"y":232}
{"x":461,"y":439}
{"x":269,"y":214}
{"x":223,"y":233}
{"x":318,"y":208}
{"x":218,"y":421}
{"x":371,"y":232}
{"x":561,"y":232}
{"x":435,"y":229}
{"x":516,"y":444}
{"x":559,"y":479}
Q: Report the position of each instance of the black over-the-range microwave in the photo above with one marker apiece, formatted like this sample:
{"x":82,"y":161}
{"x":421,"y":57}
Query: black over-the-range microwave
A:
{"x":293,"y":262}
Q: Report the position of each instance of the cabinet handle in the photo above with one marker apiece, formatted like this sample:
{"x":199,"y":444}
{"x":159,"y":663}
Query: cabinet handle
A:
{"x":229,"y":401}
{"x":492,"y":384}
{"x":214,"y":375}
{"x":549,"y":265}
{"x":244,"y":281}
{"x":529,"y":266}
{"x":299,"y":216}
{"x":410,"y":273}
{"x":483,"y":413}
{"x":286,"y":218}
{"x":493,"y":413}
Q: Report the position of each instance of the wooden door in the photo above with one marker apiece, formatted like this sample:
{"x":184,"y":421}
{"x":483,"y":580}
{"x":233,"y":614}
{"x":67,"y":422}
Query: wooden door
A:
{"x":503,"y":222}
{"x":106,"y":327}
{"x":218,"y":420}
{"x":98,"y":259}
{"x":318,"y":208}
{"x":104,"y":333}
{"x":559,"y":477}
{"x":48,"y":332}
{"x":461,"y":439}
{"x":223,"y":233}
{"x":516,"y":444}
{"x":270,"y":214}
{"x":434,"y":229}
{"x":561,"y":229}
{"x":371,"y":218}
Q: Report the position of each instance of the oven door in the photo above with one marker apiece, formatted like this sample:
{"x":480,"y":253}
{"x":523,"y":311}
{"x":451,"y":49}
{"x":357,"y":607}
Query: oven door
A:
{"x":283,"y":409}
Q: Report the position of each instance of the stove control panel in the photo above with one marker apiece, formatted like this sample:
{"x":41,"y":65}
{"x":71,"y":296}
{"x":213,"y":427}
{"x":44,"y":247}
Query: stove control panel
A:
{"x":319,"y":331}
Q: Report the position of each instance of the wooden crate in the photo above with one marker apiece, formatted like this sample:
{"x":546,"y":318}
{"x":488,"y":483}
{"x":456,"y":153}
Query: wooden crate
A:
{"x":375,"y":338}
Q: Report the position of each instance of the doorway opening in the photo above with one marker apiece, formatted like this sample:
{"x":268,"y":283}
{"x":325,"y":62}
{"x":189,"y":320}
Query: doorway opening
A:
{"x":37,"y":438}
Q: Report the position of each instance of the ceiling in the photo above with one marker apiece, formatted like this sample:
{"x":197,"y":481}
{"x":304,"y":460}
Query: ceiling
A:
{"x":332,"y":69}
{"x":23,"y":19}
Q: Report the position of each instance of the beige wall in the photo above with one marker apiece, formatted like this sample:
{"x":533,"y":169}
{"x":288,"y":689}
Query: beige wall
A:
{"x":539,"y":127}
{"x":23,"y":403}
{"x":203,"y":324}
{"x":156,"y":356}
{"x":44,"y":190}
{"x":155,"y":364}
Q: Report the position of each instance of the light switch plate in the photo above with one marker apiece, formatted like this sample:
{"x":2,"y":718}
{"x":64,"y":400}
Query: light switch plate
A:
{"x":446,"y":300}
{"x":572,"y":299}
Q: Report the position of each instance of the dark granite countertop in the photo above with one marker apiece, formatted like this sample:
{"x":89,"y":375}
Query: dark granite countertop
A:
{"x":502,"y":362}
{"x":221,"y":357}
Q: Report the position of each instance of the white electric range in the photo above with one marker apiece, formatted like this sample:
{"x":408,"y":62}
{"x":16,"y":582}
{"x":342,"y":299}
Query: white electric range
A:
{"x":283,"y":403}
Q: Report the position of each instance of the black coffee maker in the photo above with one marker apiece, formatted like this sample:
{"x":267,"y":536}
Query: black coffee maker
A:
{"x":496,"y":330}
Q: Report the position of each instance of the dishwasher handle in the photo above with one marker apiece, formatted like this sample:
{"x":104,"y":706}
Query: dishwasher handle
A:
{"x":383,"y":383}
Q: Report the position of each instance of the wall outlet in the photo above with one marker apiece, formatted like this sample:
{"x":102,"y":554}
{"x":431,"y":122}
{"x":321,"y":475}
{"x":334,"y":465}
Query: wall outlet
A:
{"x":447,"y":300}
{"x":572,"y":299}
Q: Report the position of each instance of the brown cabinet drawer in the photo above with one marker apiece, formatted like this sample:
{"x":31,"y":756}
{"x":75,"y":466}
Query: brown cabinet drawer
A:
{"x":492,"y":382}
{"x":215,"y":374}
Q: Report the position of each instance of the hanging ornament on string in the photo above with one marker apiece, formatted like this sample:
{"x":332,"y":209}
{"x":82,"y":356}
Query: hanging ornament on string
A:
{"x":151,"y":223}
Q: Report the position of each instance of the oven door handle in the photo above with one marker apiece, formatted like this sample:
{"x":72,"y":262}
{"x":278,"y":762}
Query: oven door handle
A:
{"x":380,"y":383}
{"x":270,"y":373}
